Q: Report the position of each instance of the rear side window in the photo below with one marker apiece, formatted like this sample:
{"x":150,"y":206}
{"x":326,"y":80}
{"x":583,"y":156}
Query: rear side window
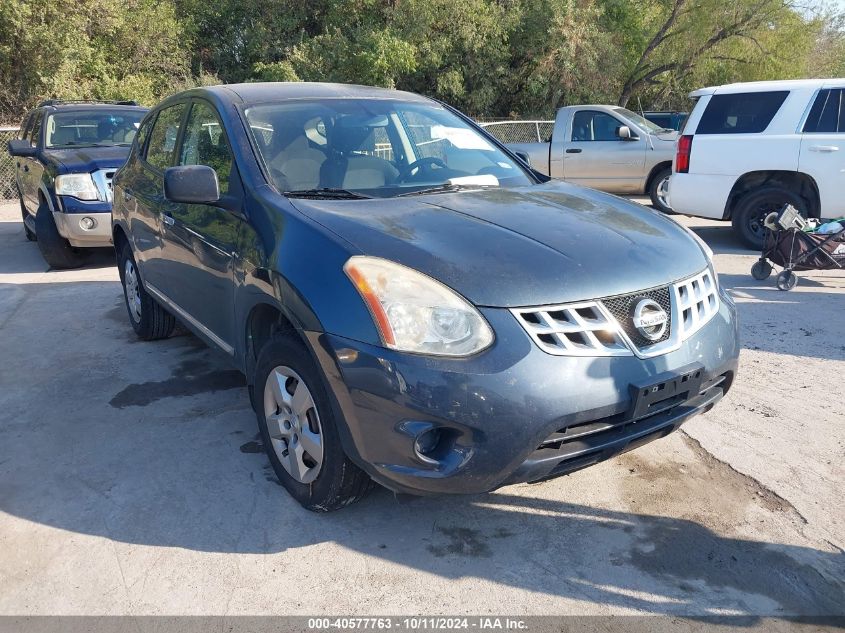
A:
{"x":163,"y":137}
{"x":828,"y":113}
{"x":743,"y":113}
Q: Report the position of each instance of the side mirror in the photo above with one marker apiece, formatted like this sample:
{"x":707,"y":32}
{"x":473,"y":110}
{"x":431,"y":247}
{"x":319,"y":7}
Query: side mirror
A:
{"x":21,"y":147}
{"x":524,"y":156}
{"x":624,"y":132}
{"x":193,"y":184}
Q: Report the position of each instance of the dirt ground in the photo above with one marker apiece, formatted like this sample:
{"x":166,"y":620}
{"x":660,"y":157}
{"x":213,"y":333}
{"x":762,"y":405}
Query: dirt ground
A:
{"x":132,"y":482}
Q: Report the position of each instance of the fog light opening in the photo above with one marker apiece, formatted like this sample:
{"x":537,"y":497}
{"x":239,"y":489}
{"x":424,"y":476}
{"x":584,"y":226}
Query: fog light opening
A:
{"x":87,"y":223}
{"x":427,"y":443}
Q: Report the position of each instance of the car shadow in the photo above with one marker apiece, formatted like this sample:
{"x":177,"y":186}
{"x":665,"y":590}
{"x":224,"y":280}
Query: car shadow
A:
{"x":154,"y":444}
{"x":22,"y":256}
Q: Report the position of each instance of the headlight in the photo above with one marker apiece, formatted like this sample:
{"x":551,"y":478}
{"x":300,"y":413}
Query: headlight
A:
{"x":77,"y":185}
{"x":415,"y":313}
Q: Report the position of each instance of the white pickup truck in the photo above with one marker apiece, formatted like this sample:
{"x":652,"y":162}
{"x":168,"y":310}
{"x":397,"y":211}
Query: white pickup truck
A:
{"x":607,"y":148}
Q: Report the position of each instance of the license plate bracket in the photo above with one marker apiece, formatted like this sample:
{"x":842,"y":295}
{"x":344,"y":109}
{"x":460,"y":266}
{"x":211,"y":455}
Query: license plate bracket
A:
{"x":665,"y":390}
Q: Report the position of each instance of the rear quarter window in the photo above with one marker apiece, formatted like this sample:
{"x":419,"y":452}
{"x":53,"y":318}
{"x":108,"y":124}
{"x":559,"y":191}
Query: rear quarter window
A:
{"x":740,"y":113}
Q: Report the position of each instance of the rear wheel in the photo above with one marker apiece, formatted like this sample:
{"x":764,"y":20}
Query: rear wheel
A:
{"x":658,"y":190}
{"x":299,"y":430}
{"x":55,"y":249}
{"x":149,"y":320}
{"x":761,"y":270}
{"x":749,"y":216}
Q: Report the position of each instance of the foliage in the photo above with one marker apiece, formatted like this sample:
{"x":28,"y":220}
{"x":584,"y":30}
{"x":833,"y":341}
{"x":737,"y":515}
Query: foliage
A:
{"x":487,"y":57}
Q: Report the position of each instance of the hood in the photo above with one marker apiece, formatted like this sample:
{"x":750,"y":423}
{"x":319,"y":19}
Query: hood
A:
{"x":87,"y":159}
{"x":525,"y":246}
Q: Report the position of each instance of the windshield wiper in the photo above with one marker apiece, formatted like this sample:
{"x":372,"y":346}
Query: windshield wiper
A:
{"x":444,"y":188}
{"x":325,"y":193}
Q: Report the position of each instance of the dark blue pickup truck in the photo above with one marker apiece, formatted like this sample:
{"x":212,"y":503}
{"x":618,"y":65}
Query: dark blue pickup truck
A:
{"x":65,"y":159}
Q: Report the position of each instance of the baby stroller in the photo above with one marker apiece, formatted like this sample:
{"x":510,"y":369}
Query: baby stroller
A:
{"x":790,"y":246}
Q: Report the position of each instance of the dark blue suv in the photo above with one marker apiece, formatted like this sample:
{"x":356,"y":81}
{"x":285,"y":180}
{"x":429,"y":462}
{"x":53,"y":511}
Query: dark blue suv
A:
{"x":409,"y":302}
{"x":65,"y":159}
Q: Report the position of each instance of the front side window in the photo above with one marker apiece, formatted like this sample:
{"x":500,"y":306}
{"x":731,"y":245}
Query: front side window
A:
{"x":162,"y":144}
{"x":590,"y":125}
{"x":828,"y":113}
{"x":741,"y":113}
{"x":35,"y":133}
{"x":375,"y":147}
{"x":92,"y":128}
{"x":205,"y":144}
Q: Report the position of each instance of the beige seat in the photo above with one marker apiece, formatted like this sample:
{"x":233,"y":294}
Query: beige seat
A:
{"x":300,"y":164}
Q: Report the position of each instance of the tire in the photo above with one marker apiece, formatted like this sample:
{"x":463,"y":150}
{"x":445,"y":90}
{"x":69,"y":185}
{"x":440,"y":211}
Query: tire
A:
{"x":751,"y":211}
{"x":327,"y":479}
{"x":30,"y":236}
{"x":150,"y":321}
{"x":787,"y":280}
{"x":656,"y":190}
{"x":761,"y":270}
{"x":55,"y":249}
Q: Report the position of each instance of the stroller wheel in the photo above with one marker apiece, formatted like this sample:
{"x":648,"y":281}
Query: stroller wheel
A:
{"x":761,"y":270}
{"x":786,"y":280}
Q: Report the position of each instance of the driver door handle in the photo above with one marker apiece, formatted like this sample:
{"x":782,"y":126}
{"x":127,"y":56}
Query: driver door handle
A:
{"x":167,"y":219}
{"x":574,"y":150}
{"x":824,"y":148}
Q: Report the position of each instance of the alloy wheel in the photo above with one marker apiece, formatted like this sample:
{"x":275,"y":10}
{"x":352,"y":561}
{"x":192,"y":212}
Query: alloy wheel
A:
{"x":293,"y":424}
{"x":133,"y":291}
{"x":663,"y":192}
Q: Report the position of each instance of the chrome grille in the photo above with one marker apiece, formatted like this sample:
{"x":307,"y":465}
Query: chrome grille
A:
{"x":102,"y":179}
{"x":622,"y":308}
{"x":605,"y":327}
{"x":697,"y":300}
{"x":575,"y":329}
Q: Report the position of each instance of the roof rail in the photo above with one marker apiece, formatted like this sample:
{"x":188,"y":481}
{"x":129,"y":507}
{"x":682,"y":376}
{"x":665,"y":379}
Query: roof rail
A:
{"x":55,"y":102}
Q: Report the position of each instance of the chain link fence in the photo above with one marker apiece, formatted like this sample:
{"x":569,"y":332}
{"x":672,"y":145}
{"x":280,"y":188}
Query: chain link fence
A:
{"x":7,"y":165}
{"x":520,"y":131}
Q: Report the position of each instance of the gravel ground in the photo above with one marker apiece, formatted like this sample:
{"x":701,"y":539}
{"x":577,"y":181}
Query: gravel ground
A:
{"x":132,"y":482}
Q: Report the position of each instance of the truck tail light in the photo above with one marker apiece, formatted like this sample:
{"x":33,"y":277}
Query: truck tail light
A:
{"x":683,"y":155}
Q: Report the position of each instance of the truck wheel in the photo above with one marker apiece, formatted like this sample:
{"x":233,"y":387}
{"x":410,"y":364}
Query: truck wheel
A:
{"x":30,"y":236}
{"x":150,"y":321}
{"x":749,"y":216}
{"x":299,"y":430}
{"x":56,"y":250}
{"x":658,"y":190}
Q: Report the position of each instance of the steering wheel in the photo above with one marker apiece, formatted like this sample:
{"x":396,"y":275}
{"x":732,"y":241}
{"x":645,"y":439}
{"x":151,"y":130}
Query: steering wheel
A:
{"x":422,"y":164}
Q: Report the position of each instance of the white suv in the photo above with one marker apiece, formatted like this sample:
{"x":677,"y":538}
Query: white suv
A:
{"x":748,"y":149}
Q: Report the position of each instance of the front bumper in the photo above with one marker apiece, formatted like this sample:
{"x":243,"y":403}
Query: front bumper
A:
{"x":68,"y":222}
{"x":512,"y":413}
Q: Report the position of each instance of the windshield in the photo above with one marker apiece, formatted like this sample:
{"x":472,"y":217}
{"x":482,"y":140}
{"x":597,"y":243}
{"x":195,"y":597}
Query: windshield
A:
{"x":644,"y":123}
{"x":375,"y":147}
{"x":92,"y":128}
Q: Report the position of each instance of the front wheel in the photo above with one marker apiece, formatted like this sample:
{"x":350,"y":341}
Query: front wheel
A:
{"x":786,"y":280}
{"x":55,"y":249}
{"x":30,"y":235}
{"x":749,"y":216}
{"x":149,"y":320}
{"x":299,"y":430}
{"x":658,"y":191}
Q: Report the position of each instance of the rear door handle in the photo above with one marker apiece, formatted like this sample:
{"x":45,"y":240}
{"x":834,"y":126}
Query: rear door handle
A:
{"x":573,"y":150}
{"x":167,"y":219}
{"x":824,"y":148}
